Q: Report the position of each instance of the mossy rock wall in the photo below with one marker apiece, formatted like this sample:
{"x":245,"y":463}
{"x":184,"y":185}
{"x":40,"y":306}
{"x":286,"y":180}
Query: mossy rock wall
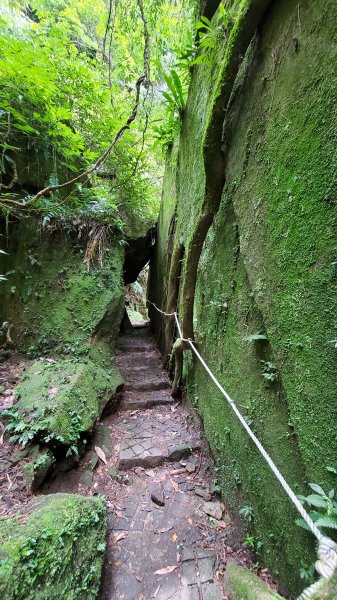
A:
{"x":165,"y":236}
{"x":54,"y":305}
{"x":268,"y":266}
{"x":56,"y":551}
{"x":52,"y":301}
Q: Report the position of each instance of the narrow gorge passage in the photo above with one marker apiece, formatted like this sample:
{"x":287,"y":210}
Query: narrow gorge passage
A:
{"x":162,"y":544}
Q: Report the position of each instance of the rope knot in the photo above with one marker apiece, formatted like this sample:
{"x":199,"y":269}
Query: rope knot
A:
{"x":327,"y":557}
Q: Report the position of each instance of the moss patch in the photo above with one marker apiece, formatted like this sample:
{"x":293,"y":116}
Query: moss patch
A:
{"x":61,"y":400}
{"x":268,"y":267}
{"x":328,"y":589}
{"x":242,"y":584}
{"x":57,"y":551}
{"x":50,"y":286}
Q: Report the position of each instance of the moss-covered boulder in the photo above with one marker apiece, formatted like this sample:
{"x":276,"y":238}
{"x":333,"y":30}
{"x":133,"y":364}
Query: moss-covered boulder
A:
{"x":59,"y":401}
{"x":243,"y":584}
{"x":41,"y":465}
{"x":327,"y":589}
{"x":268,"y":266}
{"x":64,"y":300}
{"x":57,"y":551}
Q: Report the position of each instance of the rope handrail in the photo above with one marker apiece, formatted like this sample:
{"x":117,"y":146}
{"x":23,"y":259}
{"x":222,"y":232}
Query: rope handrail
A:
{"x":327,"y":551}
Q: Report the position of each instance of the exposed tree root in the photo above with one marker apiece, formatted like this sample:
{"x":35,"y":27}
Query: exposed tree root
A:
{"x":250,"y":15}
{"x":172,"y":295}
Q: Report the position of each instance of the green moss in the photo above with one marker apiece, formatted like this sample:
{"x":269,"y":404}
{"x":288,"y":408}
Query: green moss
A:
{"x":328,"y":589}
{"x":280,"y":172}
{"x":242,"y":584}
{"x":56,"y":551}
{"x":41,"y":465}
{"x":268,"y":266}
{"x":61,"y":400}
{"x":54,"y":289}
{"x":226,"y":314}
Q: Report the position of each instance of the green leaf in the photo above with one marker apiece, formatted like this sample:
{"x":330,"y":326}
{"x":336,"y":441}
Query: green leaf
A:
{"x":317,"y":488}
{"x":206,"y":21}
{"x":302,"y":523}
{"x":317,"y":501}
{"x":326,"y":522}
{"x":255,"y":337}
{"x":178,"y":87}
{"x":101,"y":547}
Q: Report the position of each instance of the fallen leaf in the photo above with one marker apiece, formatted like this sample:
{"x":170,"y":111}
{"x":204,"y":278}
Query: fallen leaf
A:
{"x":117,"y":563}
{"x":164,"y":530}
{"x":22,"y":520}
{"x":174,"y":537}
{"x":2,"y":434}
{"x":100,"y":454}
{"x":190,"y":520}
{"x":177,"y":471}
{"x":175,"y":485}
{"x":165,"y":570}
{"x":120,"y":536}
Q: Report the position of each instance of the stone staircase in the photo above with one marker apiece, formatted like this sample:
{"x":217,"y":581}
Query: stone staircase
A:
{"x":157,"y":551}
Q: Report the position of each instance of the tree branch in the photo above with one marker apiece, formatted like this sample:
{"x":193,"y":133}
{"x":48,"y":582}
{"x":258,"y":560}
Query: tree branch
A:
{"x":143,"y":80}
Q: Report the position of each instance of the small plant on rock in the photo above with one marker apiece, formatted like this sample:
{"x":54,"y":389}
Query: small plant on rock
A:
{"x":326,"y":515}
{"x":247,"y":513}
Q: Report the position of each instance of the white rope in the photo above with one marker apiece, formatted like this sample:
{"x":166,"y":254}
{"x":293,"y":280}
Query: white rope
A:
{"x":175,"y":315}
{"x":265,"y":454}
{"x":327,"y":550}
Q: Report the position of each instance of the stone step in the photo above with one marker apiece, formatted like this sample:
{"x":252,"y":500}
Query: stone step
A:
{"x":149,"y":535}
{"x":139,"y":359}
{"x":141,"y":400}
{"x":135,"y":346}
{"x":152,"y":438}
{"x":150,"y":385}
{"x":137,"y":456}
{"x":141,"y":373}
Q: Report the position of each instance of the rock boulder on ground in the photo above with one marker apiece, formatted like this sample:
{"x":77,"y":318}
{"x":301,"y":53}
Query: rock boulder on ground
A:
{"x":243,"y":584}
{"x":56,"y":551}
{"x":61,"y":400}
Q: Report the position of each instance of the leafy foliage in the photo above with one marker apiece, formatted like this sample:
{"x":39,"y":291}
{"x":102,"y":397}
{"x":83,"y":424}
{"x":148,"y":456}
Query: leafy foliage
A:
{"x":68,"y":71}
{"x":326,"y":516}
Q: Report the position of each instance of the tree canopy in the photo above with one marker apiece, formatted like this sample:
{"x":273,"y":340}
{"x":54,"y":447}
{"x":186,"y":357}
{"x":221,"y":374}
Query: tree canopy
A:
{"x":73,"y":74}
